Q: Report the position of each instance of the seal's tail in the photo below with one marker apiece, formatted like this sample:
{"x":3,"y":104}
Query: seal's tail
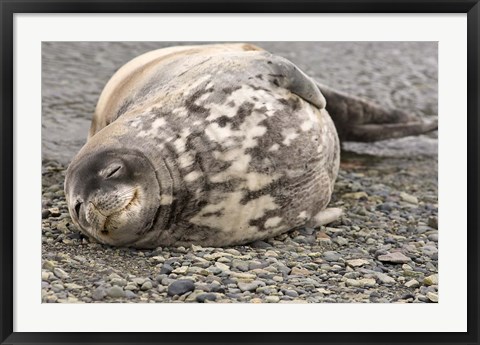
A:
{"x":357,"y":119}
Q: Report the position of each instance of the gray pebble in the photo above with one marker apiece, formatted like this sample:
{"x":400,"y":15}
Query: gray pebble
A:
{"x":331,"y":256}
{"x":179,"y":287}
{"x":206,"y":297}
{"x":99,"y":293}
{"x":115,"y":292}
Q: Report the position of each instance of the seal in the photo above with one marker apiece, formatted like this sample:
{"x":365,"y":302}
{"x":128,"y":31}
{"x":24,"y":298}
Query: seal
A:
{"x":214,"y":145}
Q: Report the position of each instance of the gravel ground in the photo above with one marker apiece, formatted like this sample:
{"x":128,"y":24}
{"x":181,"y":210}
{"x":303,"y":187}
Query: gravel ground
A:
{"x":383,"y":249}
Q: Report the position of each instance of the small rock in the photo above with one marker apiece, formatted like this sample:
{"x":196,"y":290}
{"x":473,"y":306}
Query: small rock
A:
{"x":147,"y":285}
{"x":290,"y":293}
{"x":433,"y":222}
{"x":60,"y":273}
{"x":412,"y":283}
{"x":366,"y":282}
{"x":45,"y":214}
{"x":223,"y":267}
{"x":130,"y":287}
{"x":355,"y":196}
{"x":357,"y":262}
{"x":48,"y":265}
{"x":408,"y":198}
{"x":432,"y":296}
{"x":166,"y":269}
{"x":130,"y":294}
{"x":139,"y":281}
{"x":73,"y":286}
{"x":429,"y":251}
{"x":322,"y":237}
{"x":433,"y":237}
{"x":181,"y":286}
{"x":341,"y":241}
{"x":54,"y":211}
{"x":240,"y":265}
{"x":385,"y":279}
{"x":331,"y":256}
{"x":206,"y":297}
{"x":118,"y":281}
{"x":272,"y":299}
{"x":99,"y":293}
{"x":431,"y":280}
{"x":300,"y":271}
{"x":115,"y":292}
{"x":271,"y":253}
{"x":181,"y":270}
{"x":244,"y":286}
{"x":395,"y":258}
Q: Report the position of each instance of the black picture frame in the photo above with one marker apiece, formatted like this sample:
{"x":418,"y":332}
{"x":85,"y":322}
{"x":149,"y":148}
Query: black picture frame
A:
{"x":10,"y":7}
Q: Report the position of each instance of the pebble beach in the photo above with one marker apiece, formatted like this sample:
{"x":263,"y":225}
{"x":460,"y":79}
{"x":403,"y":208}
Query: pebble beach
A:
{"x":384,"y":248}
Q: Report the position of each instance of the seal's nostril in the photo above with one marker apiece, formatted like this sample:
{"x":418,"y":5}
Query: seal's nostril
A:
{"x":77,"y":208}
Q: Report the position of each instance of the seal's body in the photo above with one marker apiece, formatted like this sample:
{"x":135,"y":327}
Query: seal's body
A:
{"x":213,"y":145}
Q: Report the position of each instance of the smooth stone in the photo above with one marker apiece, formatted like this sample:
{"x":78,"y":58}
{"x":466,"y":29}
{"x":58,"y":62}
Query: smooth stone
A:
{"x":115,"y":292}
{"x":411,"y":199}
{"x":431,"y":280}
{"x":206,"y":297}
{"x":395,"y":257}
{"x":147,"y":285}
{"x":130,"y":294}
{"x":251,"y":286}
{"x":366,"y":282}
{"x":166,"y":269}
{"x":331,"y":256}
{"x":118,"y":281}
{"x":432,"y":296}
{"x":99,"y":293}
{"x":429,"y":250}
{"x":180,"y":270}
{"x":385,"y":279}
{"x":341,"y":241}
{"x":412,"y":283}
{"x":290,"y":293}
{"x":300,"y":271}
{"x":357,"y":262}
{"x":180,"y":287}
{"x":240,"y":265}
{"x":272,"y":299}
{"x":60,"y":273}
{"x":48,"y":265}
{"x":139,"y":281}
{"x":433,"y":237}
{"x":222,"y":266}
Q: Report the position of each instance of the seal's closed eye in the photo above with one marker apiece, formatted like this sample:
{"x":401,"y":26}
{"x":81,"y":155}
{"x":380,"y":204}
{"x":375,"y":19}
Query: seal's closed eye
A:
{"x":113,"y":170}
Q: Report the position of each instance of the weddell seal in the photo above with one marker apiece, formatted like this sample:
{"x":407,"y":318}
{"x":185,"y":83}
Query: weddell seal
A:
{"x":215,"y":145}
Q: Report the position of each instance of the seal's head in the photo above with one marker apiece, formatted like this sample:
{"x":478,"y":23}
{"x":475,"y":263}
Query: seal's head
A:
{"x":113,"y":195}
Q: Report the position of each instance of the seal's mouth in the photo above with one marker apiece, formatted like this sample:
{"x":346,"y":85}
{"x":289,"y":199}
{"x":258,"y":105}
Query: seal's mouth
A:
{"x":105,"y":220}
{"x":109,"y":223}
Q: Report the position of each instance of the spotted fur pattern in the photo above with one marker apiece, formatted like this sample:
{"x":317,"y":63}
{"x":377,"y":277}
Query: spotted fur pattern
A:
{"x":243,"y":146}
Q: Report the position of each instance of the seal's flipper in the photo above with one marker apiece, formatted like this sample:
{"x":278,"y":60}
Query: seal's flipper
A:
{"x":357,"y":119}
{"x":375,"y":132}
{"x":326,"y":216}
{"x":285,"y":74}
